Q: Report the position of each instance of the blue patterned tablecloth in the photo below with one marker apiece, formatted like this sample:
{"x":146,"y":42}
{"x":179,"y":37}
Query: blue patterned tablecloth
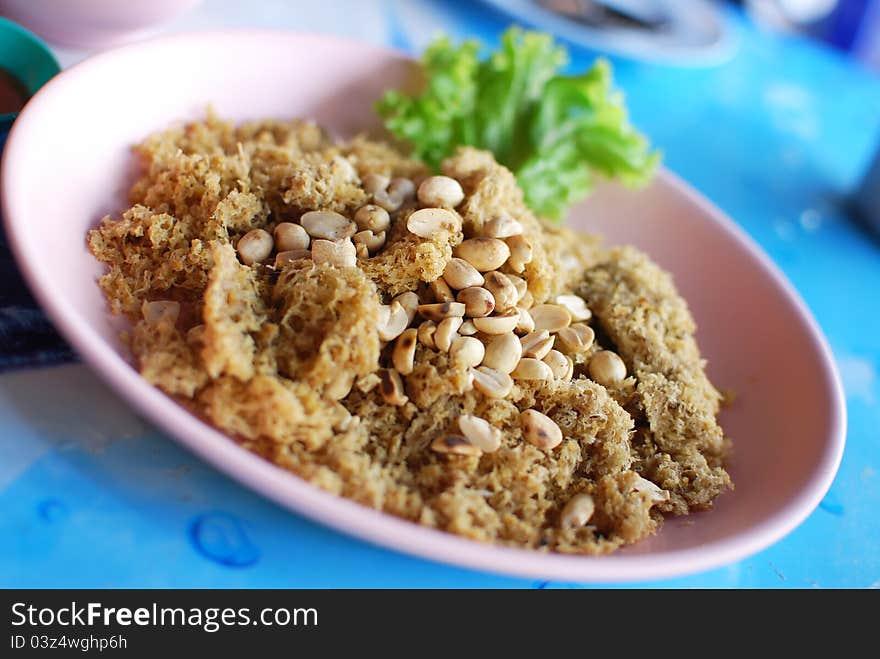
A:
{"x":90,"y":495}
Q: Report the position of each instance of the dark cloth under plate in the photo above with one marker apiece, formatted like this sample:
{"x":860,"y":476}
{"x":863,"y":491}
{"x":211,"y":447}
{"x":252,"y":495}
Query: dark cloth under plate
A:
{"x":27,"y":338}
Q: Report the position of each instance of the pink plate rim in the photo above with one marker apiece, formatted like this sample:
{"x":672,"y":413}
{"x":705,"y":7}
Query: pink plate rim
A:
{"x":365,"y":523}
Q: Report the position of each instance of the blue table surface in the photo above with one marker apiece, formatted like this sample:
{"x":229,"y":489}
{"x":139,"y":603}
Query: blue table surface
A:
{"x":90,"y":495}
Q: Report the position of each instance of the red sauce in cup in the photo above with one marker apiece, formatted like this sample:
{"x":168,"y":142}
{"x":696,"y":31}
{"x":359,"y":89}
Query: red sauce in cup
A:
{"x":13,"y":94}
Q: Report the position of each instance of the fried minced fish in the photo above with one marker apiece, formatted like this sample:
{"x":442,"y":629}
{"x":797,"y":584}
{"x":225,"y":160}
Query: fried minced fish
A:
{"x":288,"y":358}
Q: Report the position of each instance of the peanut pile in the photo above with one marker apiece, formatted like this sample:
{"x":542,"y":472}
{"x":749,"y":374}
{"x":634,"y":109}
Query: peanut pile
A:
{"x":419,"y":343}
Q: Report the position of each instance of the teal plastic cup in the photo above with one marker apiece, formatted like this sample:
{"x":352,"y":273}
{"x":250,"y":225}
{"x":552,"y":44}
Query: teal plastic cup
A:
{"x":27,"y":59}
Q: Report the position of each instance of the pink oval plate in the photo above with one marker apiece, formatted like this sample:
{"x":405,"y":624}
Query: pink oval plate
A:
{"x":67,"y":163}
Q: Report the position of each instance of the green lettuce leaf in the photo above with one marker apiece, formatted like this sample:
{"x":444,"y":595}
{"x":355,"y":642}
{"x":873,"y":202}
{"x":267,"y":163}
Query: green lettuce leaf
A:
{"x":555,"y":132}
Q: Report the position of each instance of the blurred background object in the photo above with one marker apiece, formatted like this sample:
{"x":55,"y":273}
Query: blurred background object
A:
{"x":684,"y":32}
{"x":635,"y":13}
{"x":790,"y":13}
{"x":692,"y":31}
{"x":851,"y":26}
{"x":91,"y":23}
